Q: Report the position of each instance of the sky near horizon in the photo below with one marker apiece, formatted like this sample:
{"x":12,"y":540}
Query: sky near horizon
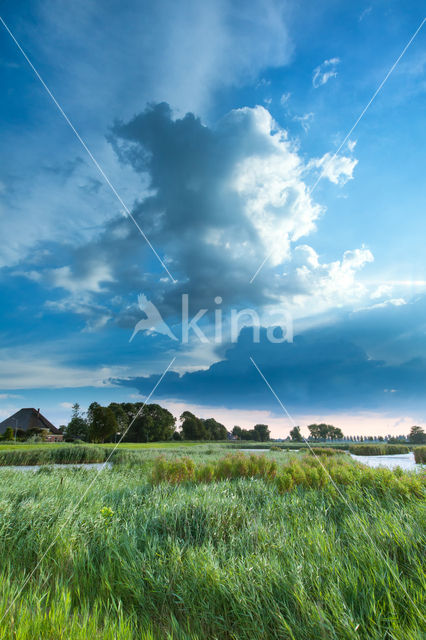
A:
{"x":226,"y":130}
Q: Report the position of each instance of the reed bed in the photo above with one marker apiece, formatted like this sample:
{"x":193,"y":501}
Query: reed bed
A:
{"x":73,"y":454}
{"x":378,"y":449}
{"x":303,"y":470}
{"x":288,"y":446}
{"x":420,"y":455}
{"x":230,"y":557}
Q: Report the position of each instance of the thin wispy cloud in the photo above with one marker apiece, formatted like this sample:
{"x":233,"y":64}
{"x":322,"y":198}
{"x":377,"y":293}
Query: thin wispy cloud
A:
{"x":324,"y":72}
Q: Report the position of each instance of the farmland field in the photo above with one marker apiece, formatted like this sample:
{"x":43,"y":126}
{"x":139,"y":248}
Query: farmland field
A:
{"x":198,"y":544}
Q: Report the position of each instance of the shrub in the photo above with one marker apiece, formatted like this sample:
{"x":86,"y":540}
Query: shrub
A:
{"x":9,"y":434}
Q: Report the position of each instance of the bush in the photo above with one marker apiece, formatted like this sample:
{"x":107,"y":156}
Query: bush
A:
{"x":9,"y":434}
{"x":378,"y":449}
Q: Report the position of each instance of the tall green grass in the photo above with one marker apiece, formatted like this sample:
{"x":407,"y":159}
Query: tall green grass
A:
{"x":420,"y":455}
{"x":378,"y":449}
{"x":304,"y":470}
{"x":287,"y":446}
{"x":234,"y":557}
{"x":74,"y":454}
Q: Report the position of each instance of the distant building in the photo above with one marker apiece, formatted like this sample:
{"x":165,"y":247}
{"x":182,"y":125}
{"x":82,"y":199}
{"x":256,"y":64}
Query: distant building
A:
{"x":27,"y":419}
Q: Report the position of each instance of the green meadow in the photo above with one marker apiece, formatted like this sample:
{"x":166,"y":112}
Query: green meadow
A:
{"x":195,"y":543}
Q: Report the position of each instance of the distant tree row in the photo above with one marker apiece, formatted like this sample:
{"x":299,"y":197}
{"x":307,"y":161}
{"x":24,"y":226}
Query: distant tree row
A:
{"x":138,"y":422}
{"x":323,"y":432}
{"x":194,"y":428}
{"x":259,"y":433}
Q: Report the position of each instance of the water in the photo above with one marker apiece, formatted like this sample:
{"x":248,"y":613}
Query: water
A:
{"x":36,"y":467}
{"x":404,"y":460}
{"x":273,"y":450}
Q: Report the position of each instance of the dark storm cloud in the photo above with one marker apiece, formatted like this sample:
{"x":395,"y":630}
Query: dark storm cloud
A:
{"x":325,"y":368}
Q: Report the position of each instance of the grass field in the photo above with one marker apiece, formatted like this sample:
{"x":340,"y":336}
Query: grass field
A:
{"x":123,"y":445}
{"x":247,"y":556}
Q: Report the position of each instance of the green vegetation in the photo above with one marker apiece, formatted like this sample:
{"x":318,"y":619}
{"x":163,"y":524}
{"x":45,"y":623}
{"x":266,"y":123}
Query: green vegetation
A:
{"x":289,"y":446}
{"x":194,"y":428}
{"x":378,"y":449}
{"x":259,"y":433}
{"x":417,"y":435}
{"x":71,"y":454}
{"x":420,"y":455}
{"x":296,"y":435}
{"x":304,"y":470}
{"x":202,"y":546}
{"x":324,"y":451}
{"x":325,"y":432}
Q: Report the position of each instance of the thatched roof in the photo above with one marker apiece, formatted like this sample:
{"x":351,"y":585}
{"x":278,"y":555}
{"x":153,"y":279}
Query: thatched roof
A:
{"x":27,"y":419}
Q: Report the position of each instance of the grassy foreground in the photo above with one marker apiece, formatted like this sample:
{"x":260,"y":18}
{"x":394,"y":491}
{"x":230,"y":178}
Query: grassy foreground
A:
{"x":142,"y":556}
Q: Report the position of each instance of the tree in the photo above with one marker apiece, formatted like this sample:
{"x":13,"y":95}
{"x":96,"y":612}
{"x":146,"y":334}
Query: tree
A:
{"x":215,"y":430}
{"x":262,"y":432}
{"x":417,"y":435}
{"x":236,"y":431}
{"x":164,"y":422}
{"x":323,"y":431}
{"x":249,"y":434}
{"x":9,"y":434}
{"x":102,"y":422}
{"x":121,"y":415}
{"x":77,"y":428}
{"x":295,"y":434}
{"x":335,"y":433}
{"x":154,"y":423}
{"x":143,"y":422}
{"x":192,"y":427}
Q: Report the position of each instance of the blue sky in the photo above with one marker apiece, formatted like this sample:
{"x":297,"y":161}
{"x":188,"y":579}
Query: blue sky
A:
{"x":218,"y":125}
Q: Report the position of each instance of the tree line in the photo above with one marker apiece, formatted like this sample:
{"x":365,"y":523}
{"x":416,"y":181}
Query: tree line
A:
{"x":327,"y":432}
{"x":138,"y":422}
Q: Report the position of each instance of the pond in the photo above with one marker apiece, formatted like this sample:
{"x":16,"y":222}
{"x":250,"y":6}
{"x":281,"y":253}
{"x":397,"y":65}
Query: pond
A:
{"x":404,"y":460}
